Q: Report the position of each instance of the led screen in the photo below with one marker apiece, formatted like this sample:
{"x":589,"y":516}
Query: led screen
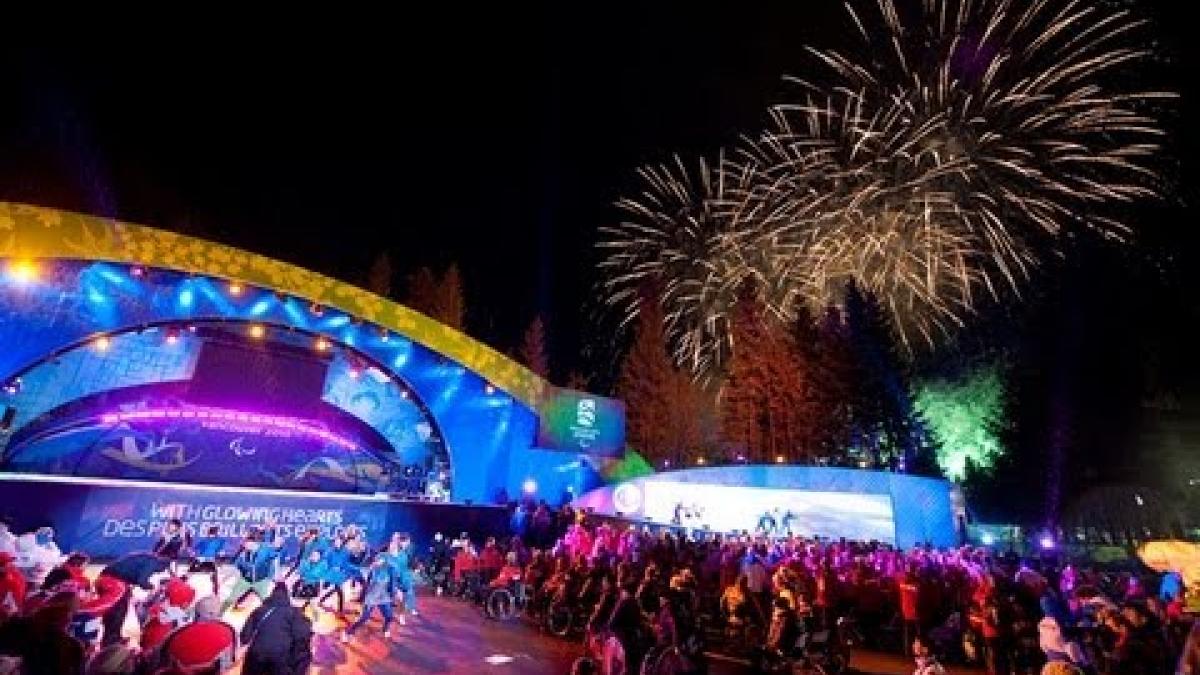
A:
{"x":260,"y":377}
{"x":725,"y":508}
{"x":576,"y":421}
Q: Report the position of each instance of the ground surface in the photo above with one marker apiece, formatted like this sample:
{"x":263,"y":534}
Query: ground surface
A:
{"x":452,"y":637}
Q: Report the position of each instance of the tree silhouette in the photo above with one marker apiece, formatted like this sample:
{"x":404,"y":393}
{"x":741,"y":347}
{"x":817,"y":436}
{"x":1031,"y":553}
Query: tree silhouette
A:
{"x":533,"y":348}
{"x":885,"y":428}
{"x":379,"y":277}
{"x":766,"y":406}
{"x":438,"y":298}
{"x":666,"y":411}
{"x":451,"y":307}
{"x":422,"y":291}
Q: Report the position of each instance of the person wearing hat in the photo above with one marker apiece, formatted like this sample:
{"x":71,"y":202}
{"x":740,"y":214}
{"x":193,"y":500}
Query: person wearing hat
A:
{"x":131,"y":569}
{"x":37,"y":554}
{"x":12,"y":587}
{"x":205,"y":646}
{"x":278,"y":637}
{"x":173,"y":611}
{"x":8,"y":541}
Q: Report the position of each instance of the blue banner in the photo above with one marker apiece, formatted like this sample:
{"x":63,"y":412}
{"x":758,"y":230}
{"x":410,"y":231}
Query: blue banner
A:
{"x":107,"y":518}
{"x":117,"y":521}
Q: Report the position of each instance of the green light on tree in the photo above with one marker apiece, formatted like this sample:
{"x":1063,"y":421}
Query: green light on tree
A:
{"x":965,"y":415}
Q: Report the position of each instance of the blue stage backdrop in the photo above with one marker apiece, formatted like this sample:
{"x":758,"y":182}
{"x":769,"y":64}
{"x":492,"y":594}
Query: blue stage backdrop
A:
{"x":109,"y":520}
{"x":811,"y":501}
{"x":402,"y":403}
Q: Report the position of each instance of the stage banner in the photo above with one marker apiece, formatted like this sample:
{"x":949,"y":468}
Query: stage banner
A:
{"x":109,"y":520}
{"x":576,"y":421}
{"x":116,"y":521}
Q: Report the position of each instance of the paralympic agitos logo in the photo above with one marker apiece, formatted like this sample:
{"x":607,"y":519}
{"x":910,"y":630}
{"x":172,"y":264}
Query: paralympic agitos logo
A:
{"x":584,"y":429}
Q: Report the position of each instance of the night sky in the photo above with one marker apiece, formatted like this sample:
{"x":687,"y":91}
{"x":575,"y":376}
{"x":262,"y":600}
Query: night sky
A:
{"x":500,"y":138}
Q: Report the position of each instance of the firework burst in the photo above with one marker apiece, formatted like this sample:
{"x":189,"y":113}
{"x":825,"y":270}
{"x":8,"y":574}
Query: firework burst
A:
{"x":939,"y":163}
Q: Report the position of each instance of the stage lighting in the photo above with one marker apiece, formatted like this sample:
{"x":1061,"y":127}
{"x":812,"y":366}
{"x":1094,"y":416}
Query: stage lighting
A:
{"x":403,"y":393}
{"x":235,"y":289}
{"x":13,"y":386}
{"x":779,"y":459}
{"x":385,"y":335}
{"x":316,"y":309}
{"x":700,"y":460}
{"x":1046,"y":542}
{"x":257,"y":331}
{"x":321,"y":345}
{"x":172,"y":336}
{"x":355,"y":373}
{"x":988,"y":539}
{"x":529,"y":486}
{"x":23,"y":271}
{"x":102,"y":343}
{"x":489,"y":390}
{"x":741,"y":458}
{"x":137,"y":271}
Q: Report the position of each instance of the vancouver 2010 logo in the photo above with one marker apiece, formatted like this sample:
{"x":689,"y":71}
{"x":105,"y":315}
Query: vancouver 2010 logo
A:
{"x":585,"y":412}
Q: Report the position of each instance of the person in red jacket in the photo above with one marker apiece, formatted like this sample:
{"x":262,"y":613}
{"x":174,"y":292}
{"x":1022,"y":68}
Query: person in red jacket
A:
{"x":490,"y":560}
{"x":166,"y":616}
{"x":909,"y":598}
{"x":510,"y":573}
{"x":12,"y":587}
{"x":466,"y":568}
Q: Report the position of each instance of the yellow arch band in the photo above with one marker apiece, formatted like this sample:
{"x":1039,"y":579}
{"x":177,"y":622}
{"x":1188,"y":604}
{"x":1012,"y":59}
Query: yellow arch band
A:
{"x":35,"y":232}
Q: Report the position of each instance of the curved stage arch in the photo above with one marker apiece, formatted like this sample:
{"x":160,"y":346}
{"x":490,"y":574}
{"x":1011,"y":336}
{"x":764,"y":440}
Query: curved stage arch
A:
{"x":804,"y":500}
{"x":102,"y":321}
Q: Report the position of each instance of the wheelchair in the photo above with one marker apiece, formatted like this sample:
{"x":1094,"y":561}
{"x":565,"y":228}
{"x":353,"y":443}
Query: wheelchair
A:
{"x":504,"y":603}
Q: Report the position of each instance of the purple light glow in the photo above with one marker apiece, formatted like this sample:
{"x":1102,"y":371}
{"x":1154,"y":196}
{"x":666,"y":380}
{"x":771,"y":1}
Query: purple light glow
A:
{"x":1047,"y":542}
{"x":288,"y":423}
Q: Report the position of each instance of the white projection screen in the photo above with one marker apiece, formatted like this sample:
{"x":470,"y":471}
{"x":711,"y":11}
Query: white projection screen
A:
{"x":726,"y":508}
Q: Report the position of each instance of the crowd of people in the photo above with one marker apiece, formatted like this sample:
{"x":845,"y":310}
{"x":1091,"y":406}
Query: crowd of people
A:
{"x":632,"y":594}
{"x":57,"y":615}
{"x":770,"y":596}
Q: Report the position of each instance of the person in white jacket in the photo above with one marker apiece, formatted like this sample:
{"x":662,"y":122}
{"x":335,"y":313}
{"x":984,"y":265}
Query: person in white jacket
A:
{"x":8,"y":540}
{"x":37,"y":554}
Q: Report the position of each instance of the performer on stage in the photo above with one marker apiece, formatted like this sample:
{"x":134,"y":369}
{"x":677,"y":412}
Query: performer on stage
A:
{"x":255,"y":564}
{"x":399,"y":558}
{"x":767,"y":523}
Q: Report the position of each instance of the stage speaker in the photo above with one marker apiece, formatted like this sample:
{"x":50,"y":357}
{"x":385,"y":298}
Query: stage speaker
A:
{"x":6,"y":420}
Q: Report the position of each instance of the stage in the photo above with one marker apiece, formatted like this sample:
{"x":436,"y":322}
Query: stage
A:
{"x":778,"y":500}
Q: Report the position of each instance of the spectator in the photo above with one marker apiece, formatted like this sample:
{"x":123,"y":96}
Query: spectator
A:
{"x":12,"y":587}
{"x":909,"y":598}
{"x":37,"y":554}
{"x":204,"y":646}
{"x":131,"y":569}
{"x":8,"y":541}
{"x":42,"y":640}
{"x":168,"y":614}
{"x":277,"y":637}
